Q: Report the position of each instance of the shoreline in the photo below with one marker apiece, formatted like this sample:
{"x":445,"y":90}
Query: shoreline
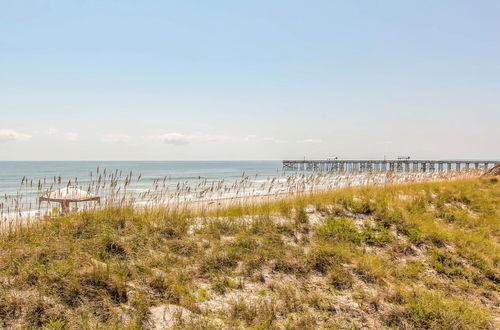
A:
{"x":321,"y":182}
{"x":228,"y":202}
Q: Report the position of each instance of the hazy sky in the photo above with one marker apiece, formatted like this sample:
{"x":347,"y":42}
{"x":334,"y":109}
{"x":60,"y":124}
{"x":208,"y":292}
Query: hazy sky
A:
{"x":126,"y":80}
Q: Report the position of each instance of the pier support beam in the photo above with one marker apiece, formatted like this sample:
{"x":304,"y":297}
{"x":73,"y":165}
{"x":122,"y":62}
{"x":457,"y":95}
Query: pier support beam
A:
{"x":385,"y":165}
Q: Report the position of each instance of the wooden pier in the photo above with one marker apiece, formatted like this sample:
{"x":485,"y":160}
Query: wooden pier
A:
{"x":396,"y":165}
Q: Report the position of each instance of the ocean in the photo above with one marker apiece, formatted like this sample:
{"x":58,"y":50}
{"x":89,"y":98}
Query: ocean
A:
{"x":24,"y":185}
{"x":144,"y":182}
{"x":190,"y":172}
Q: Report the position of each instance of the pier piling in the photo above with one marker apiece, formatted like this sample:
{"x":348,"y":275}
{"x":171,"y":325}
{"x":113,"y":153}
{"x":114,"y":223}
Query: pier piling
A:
{"x":399,"y":165}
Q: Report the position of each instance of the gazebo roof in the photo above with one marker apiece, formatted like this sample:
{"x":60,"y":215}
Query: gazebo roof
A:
{"x":69,"y":194}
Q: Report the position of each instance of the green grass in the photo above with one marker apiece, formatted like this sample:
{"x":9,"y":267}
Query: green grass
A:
{"x":274,"y":269}
{"x":424,"y":309}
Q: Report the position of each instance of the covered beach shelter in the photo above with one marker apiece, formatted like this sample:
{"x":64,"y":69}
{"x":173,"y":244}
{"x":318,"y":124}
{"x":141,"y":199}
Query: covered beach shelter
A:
{"x":68,"y":195}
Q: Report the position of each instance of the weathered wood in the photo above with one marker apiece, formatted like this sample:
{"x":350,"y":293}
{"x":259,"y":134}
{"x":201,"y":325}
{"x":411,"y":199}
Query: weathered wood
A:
{"x":398,"y":165}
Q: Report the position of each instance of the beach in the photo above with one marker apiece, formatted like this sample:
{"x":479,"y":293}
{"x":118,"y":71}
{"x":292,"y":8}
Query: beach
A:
{"x":115,"y":189}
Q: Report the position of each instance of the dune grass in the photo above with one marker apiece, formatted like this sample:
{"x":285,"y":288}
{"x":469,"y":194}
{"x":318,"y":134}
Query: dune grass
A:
{"x":422,"y":255}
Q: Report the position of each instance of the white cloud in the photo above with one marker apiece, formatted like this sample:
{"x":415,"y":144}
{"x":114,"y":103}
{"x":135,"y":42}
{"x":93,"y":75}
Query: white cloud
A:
{"x":51,"y":131}
{"x":70,"y":136}
{"x":272,"y":139}
{"x":174,"y":138}
{"x":11,"y":135}
{"x":113,"y":138}
{"x":210,"y":138}
{"x":384,"y":142}
{"x":316,"y":141}
{"x":251,"y":137}
{"x":179,"y":139}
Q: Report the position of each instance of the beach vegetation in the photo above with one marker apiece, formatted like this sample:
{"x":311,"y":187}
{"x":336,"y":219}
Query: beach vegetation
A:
{"x":419,"y":255}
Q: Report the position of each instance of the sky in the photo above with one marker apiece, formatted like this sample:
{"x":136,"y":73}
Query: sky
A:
{"x":227,"y":80}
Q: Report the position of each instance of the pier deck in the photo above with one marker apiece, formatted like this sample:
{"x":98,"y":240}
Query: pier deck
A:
{"x":396,"y":165}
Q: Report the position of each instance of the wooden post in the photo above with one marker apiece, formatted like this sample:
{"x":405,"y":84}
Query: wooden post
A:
{"x":64,"y":207}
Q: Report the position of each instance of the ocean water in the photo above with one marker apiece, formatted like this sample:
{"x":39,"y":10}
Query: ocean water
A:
{"x":190,"y":172}
{"x":143,"y":182}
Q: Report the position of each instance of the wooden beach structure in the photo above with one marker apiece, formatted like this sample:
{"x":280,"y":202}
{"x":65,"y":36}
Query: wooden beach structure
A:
{"x":403,"y":164}
{"x":68,"y":195}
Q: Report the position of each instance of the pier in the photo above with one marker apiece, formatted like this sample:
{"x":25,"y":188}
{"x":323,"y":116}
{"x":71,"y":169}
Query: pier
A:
{"x":395,"y":165}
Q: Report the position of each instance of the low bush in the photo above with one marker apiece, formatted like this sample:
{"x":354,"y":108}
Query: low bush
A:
{"x":428,"y":310}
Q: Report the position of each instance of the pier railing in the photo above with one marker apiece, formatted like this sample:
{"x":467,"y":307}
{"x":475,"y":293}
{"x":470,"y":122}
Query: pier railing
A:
{"x":396,"y":165}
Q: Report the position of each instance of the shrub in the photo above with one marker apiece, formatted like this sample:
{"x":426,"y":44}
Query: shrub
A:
{"x":339,"y":277}
{"x":301,"y":217}
{"x":379,"y":236}
{"x":245,"y":244}
{"x":218,"y":262}
{"x":222,"y":283}
{"x":480,"y":262}
{"x":10,"y":307}
{"x":323,"y":256}
{"x":159,"y":284}
{"x":171,"y":226}
{"x":387,"y":216}
{"x":240,"y":309}
{"x":339,"y":229}
{"x":302,"y":221}
{"x":293,"y":261}
{"x":219,"y":227}
{"x":40,"y":314}
{"x":427,"y":310}
{"x":371,"y":268}
{"x":415,"y":236}
{"x":412,"y":270}
{"x":110,"y":247}
{"x":445,"y":263}
{"x":203,"y":295}
{"x":184,"y":247}
{"x":360,"y":206}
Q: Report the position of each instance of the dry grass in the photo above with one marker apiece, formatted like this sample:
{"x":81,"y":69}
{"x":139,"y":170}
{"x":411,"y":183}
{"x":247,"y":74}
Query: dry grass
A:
{"x":118,"y":189}
{"x":421,"y":255}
